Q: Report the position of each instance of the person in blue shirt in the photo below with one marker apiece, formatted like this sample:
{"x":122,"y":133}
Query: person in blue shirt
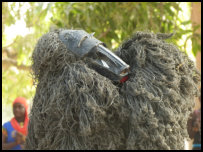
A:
{"x":194,"y":128}
{"x":14,"y":131}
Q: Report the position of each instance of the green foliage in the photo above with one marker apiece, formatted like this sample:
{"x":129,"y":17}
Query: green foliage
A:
{"x":112,"y":22}
{"x":15,"y":83}
{"x":7,"y":18}
{"x":196,"y":38}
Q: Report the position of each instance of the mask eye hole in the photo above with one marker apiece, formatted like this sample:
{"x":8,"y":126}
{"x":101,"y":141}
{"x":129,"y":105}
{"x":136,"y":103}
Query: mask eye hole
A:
{"x":94,"y":54}
{"x":100,"y":55}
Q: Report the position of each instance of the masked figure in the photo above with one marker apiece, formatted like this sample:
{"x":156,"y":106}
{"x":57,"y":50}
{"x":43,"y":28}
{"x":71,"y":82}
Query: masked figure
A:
{"x":90,"y":98}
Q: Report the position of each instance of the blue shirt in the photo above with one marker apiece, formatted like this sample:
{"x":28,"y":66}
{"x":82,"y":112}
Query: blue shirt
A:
{"x":11,"y":133}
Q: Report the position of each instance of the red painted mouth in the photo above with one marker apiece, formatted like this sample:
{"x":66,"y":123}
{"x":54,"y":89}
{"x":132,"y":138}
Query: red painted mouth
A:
{"x":124,"y":79}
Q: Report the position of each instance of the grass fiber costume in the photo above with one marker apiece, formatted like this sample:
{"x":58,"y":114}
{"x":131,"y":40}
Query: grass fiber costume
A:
{"x":75,"y":107}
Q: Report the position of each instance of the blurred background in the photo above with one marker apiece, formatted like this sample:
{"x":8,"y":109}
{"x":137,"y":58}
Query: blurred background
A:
{"x":23,"y":23}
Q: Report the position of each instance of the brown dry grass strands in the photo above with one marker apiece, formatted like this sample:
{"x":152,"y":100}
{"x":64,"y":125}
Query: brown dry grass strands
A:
{"x":77,"y":108}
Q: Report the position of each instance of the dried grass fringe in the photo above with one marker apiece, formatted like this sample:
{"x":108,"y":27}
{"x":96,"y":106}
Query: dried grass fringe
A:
{"x":77,"y":108}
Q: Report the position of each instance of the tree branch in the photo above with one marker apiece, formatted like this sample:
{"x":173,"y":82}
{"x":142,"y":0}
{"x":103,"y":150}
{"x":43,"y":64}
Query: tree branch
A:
{"x":9,"y":53}
{"x":7,"y":62}
{"x":104,"y":33}
{"x":7,"y":46}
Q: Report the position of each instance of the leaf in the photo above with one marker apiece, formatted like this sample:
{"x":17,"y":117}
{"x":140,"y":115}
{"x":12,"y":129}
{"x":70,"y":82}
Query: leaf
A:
{"x":186,"y":22}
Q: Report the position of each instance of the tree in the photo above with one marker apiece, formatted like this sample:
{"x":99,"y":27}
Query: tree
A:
{"x":196,"y":24}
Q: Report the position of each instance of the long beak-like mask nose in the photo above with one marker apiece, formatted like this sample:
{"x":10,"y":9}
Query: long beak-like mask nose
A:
{"x":102,"y":59}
